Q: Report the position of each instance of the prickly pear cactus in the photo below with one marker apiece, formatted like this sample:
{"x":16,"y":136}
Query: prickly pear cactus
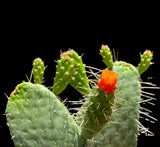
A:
{"x":71,"y":70}
{"x":146,"y":58}
{"x":123,"y":130}
{"x":109,"y":115}
{"x":38,"y":70}
{"x":37,"y":118}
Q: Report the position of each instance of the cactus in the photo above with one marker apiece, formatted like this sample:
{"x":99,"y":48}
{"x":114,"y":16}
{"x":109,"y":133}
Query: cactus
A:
{"x":70,"y":70}
{"x":64,"y":73}
{"x":96,"y":111}
{"x":123,"y":131}
{"x":146,"y":58}
{"x":107,"y":56}
{"x":37,"y":118}
{"x":109,"y":115}
{"x":38,"y":71}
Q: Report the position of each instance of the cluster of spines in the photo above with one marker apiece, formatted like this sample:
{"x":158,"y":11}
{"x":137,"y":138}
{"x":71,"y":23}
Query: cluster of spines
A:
{"x":38,"y":71}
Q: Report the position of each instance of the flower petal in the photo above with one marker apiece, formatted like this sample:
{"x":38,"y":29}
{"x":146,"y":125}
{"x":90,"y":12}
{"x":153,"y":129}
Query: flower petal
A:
{"x":108,"y":80}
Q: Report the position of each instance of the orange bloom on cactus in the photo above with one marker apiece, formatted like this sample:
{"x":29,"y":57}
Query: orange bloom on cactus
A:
{"x":108,"y":80}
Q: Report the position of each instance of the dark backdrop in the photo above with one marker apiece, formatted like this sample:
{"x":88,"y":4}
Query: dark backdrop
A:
{"x":24,"y":39}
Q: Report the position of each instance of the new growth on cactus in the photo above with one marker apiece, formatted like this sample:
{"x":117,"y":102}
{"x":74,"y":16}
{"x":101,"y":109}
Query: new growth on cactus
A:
{"x":38,"y":70}
{"x":107,"y":56}
{"x":109,"y":115}
{"x":146,"y":58}
{"x":70,"y":70}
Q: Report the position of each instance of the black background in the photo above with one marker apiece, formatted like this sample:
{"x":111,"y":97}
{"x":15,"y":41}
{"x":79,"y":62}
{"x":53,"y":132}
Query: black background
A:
{"x":27,"y":34}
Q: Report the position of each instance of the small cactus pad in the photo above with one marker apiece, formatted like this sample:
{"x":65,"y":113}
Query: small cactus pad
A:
{"x":145,"y":62}
{"x":64,"y":72}
{"x":79,"y":78}
{"x":107,"y":56}
{"x":37,"y":118}
{"x":71,"y":70}
{"x":38,"y":70}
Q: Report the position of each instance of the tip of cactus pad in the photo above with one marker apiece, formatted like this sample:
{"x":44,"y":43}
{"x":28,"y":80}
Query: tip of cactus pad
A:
{"x":108,"y":80}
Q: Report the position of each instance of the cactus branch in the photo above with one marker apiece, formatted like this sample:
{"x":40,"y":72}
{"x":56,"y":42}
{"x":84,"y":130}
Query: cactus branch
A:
{"x":145,"y":62}
{"x":97,"y":109}
{"x":71,"y":70}
{"x":107,"y":56}
{"x":38,"y":70}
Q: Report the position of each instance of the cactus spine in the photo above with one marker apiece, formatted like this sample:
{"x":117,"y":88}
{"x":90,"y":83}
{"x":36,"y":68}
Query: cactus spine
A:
{"x":108,"y":117}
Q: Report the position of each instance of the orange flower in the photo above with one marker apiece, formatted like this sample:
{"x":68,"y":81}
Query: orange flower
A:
{"x":108,"y":80}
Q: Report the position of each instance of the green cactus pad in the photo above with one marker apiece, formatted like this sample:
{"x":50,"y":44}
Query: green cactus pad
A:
{"x":37,"y":118}
{"x":71,"y":70}
{"x":123,"y":130}
{"x":38,"y":70}
{"x":79,"y":78}
{"x":107,"y":56}
{"x":96,"y":112}
{"x":145,"y":62}
{"x":64,"y":72}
